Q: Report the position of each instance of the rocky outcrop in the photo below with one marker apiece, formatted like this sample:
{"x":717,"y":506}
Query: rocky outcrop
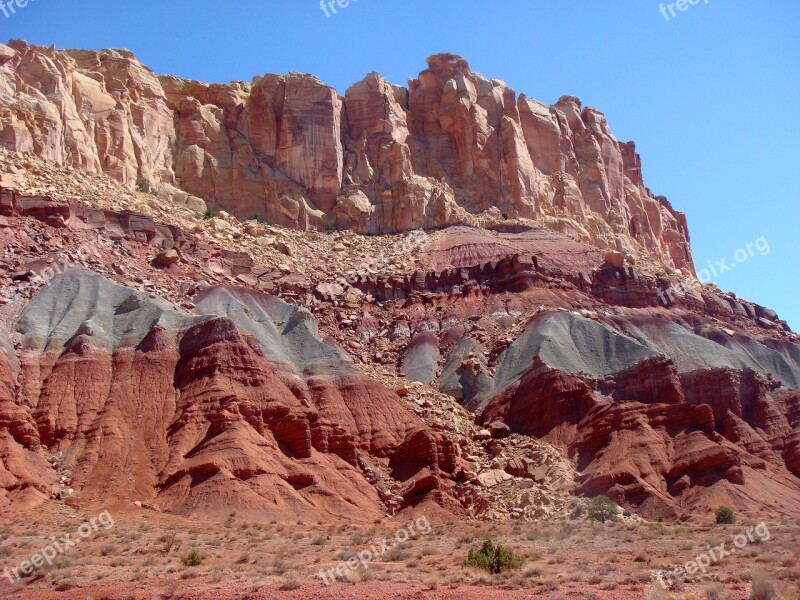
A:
{"x":671,"y":444}
{"x":239,"y":405}
{"x":544,"y":402}
{"x":225,"y":396}
{"x":677,"y":447}
{"x":654,"y":379}
{"x":673,"y":460}
{"x":383,"y":158}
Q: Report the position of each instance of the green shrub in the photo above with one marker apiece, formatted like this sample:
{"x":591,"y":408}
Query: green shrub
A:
{"x":193,"y":559}
{"x":494,"y":558}
{"x":568,"y":528}
{"x":602,"y":509}
{"x":725,"y":516}
{"x":211,"y":212}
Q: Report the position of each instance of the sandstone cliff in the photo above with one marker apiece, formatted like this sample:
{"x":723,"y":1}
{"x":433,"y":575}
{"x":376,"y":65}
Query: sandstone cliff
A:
{"x":383,"y":158}
{"x":182,"y":367}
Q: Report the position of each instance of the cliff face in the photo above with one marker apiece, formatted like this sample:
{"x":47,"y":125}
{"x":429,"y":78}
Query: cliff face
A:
{"x":186,"y":353}
{"x":183,"y":367}
{"x":450,"y":148}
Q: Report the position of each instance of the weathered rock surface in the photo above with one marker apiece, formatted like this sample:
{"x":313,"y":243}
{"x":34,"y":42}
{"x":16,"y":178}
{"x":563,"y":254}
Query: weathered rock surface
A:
{"x":383,"y":158}
{"x":546,"y":304}
{"x":239,"y":406}
{"x":670,"y":445}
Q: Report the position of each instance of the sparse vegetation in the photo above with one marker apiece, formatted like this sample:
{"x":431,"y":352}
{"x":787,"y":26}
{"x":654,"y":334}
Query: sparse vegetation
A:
{"x":211,"y":212}
{"x":290,"y":582}
{"x":494,"y":558}
{"x":725,"y":516}
{"x":602,"y":509}
{"x":169,"y":543}
{"x":761,"y":588}
{"x":192,"y":559}
{"x":568,"y":528}
{"x":621,"y":556}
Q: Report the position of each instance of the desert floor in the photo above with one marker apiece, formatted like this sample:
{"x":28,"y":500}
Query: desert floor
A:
{"x":142,"y":555}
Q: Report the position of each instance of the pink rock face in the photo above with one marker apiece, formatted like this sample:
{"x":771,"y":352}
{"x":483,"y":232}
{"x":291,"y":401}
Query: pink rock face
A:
{"x":95,"y":111}
{"x":382,"y":159}
{"x":466,"y":130}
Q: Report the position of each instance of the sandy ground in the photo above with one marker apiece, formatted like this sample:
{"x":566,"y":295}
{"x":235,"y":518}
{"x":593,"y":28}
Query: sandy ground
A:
{"x":141,"y":556}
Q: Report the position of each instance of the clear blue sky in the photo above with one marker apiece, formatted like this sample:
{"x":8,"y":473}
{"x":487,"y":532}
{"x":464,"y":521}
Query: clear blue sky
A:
{"x":710,"y":96}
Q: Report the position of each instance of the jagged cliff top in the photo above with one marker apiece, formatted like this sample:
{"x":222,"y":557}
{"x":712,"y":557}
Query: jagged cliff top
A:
{"x":452,"y":148}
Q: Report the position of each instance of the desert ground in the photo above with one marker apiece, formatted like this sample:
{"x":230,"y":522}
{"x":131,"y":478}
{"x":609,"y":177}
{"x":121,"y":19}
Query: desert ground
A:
{"x":143,"y":555}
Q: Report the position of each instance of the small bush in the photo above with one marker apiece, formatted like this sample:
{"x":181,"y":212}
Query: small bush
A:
{"x":211,"y":212}
{"x":725,"y":516}
{"x":345,"y":554}
{"x":193,"y":559}
{"x":431,"y":582}
{"x":761,"y":588}
{"x":396,"y":554}
{"x":494,"y":558}
{"x":602,"y":509}
{"x":290,"y":582}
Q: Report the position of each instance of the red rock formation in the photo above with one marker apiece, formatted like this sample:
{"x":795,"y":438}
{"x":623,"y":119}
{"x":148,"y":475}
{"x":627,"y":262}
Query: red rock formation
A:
{"x":672,"y":446}
{"x":652,"y":380}
{"x":668,"y":461}
{"x":24,"y":473}
{"x":215,"y":412}
{"x":751,"y":411}
{"x":206,"y":418}
{"x":381,"y":159}
{"x":544,"y":403}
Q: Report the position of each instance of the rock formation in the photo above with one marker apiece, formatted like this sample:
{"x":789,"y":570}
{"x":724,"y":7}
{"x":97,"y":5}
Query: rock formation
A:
{"x":238,"y":407}
{"x":297,"y":351}
{"x":381,"y":159}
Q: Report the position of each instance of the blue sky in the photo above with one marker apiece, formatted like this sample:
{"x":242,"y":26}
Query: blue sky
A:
{"x":709,"y":95}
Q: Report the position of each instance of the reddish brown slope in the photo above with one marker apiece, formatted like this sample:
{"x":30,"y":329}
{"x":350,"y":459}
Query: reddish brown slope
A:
{"x":197,"y":415}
